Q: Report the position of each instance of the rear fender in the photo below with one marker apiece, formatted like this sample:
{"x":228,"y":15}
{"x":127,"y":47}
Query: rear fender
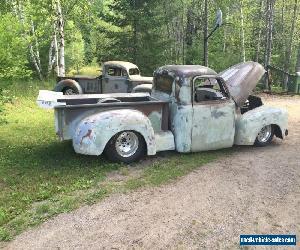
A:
{"x":94,"y":132}
{"x":249,"y":124}
{"x":142,"y":88}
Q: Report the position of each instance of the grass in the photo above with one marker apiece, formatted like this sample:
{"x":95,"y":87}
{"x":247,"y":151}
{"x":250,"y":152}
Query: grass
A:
{"x":41,"y":177}
{"x":92,"y":70}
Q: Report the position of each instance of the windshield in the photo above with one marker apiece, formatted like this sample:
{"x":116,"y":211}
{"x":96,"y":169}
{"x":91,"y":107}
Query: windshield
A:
{"x":164,"y":83}
{"x":134,"y":71}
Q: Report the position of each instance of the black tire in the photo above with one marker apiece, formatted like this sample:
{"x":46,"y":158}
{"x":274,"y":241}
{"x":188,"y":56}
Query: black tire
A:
{"x":70,"y":91}
{"x":68,"y":84}
{"x":268,"y":139}
{"x":112,"y":151}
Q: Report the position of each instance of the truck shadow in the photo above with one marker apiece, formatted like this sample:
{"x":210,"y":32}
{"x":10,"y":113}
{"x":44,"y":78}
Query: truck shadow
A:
{"x":60,"y":155}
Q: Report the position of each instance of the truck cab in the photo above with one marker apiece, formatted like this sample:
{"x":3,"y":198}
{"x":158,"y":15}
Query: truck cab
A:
{"x":207,"y":110}
{"x":200,"y":107}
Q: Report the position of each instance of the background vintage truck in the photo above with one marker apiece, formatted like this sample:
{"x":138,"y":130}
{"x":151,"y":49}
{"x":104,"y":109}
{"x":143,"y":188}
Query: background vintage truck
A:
{"x":117,"y":77}
{"x":191,"y":109}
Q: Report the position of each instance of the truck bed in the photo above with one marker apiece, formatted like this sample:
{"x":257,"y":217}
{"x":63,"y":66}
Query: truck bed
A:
{"x":70,"y":110}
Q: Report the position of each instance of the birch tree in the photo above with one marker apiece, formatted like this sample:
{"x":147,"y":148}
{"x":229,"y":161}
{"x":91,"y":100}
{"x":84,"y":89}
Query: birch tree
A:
{"x":242,"y":32}
{"x":269,"y":37}
{"x":61,"y":38}
{"x":297,"y":69}
{"x":289,"y":46}
{"x":34,"y":52}
{"x":259,"y":30}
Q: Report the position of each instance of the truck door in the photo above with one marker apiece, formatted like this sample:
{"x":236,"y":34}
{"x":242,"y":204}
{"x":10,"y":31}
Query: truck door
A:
{"x":115,"y":80}
{"x":213,"y":117}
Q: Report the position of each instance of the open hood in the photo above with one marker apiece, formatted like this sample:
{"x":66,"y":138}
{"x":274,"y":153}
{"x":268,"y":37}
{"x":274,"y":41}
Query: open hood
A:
{"x":241,"y":79}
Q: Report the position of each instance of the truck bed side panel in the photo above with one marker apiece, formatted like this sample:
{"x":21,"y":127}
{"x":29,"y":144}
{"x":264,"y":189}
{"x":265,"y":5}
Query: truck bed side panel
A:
{"x":89,"y":85}
{"x":69,"y":117}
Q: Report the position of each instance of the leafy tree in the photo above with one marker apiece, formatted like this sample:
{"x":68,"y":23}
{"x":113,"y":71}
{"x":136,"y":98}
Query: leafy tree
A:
{"x":13,"y":51}
{"x":74,"y":48}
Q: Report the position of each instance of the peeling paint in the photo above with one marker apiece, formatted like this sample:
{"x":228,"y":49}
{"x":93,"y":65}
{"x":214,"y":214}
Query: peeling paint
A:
{"x":104,"y":129}
{"x":167,"y":121}
{"x":249,"y":124}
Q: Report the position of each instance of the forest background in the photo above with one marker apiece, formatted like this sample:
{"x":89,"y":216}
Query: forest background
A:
{"x":42,"y":39}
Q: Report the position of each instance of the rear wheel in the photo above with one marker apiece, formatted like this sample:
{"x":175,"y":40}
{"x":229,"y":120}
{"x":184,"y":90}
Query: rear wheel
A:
{"x":126,"y":146}
{"x":265,"y":136}
{"x":70,"y":91}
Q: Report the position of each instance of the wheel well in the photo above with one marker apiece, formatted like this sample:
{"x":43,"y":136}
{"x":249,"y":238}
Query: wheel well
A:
{"x":68,"y":83}
{"x":277,"y":131}
{"x":146,"y":146}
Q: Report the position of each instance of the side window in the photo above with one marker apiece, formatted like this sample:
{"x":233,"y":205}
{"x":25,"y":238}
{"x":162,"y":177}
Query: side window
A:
{"x":207,"y":89}
{"x":134,"y":71}
{"x":114,"y":71}
{"x":206,"y":83}
{"x":164,"y":83}
{"x":124,"y":73}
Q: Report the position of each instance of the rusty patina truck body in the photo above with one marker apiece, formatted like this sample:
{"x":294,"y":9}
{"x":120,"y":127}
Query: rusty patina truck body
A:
{"x":117,"y":77}
{"x":191,"y":109}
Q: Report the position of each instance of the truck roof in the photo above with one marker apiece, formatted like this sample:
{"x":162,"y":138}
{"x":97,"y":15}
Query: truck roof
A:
{"x":187,"y":70}
{"x":122,"y":64}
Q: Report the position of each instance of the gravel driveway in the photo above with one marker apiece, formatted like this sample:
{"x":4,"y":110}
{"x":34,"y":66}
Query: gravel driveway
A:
{"x":256,"y":191}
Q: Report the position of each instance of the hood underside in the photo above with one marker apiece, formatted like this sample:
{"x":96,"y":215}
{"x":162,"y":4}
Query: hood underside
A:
{"x":241,"y":79}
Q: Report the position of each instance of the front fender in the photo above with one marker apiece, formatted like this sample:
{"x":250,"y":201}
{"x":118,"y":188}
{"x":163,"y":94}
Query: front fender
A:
{"x":249,"y":124}
{"x":94,"y":132}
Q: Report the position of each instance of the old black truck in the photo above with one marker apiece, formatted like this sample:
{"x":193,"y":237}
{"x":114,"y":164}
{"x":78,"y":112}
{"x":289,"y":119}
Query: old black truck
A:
{"x":117,"y":77}
{"x":191,"y":109}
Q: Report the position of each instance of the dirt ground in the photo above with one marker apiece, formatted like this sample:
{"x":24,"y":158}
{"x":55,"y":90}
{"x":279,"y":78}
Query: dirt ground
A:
{"x":256,"y":191}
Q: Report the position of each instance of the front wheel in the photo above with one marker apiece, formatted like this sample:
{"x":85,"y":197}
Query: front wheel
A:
{"x":265,"y":136}
{"x":126,"y":146}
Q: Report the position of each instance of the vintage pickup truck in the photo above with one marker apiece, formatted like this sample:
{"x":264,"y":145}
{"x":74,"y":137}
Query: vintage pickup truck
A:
{"x":190,"y":109}
{"x":117,"y":77}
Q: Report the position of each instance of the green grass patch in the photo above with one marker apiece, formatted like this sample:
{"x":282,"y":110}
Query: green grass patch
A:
{"x":91,"y":70}
{"x":41,"y":177}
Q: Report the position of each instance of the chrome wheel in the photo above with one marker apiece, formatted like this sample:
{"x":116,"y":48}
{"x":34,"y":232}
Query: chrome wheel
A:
{"x":265,"y":134}
{"x":127,"y":144}
{"x":70,"y":91}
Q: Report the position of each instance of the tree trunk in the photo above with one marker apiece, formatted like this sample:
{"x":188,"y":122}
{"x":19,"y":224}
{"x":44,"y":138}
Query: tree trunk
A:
{"x":242,"y":32}
{"x":37,"y":52}
{"x":259,"y":31}
{"x":135,"y":38}
{"x":61,"y":35}
{"x":225,"y":31}
{"x":298,"y":62}
{"x":289,"y":47}
{"x":183,"y":37}
{"x":51,"y":58}
{"x":35,"y":55}
{"x":56,"y":52}
{"x":35,"y":63}
{"x":205,"y":34}
{"x":269,"y":38}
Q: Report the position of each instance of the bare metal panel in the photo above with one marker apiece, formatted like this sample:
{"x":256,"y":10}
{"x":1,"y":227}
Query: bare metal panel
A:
{"x":249,"y":124}
{"x":213,"y":125}
{"x":241,"y":79}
